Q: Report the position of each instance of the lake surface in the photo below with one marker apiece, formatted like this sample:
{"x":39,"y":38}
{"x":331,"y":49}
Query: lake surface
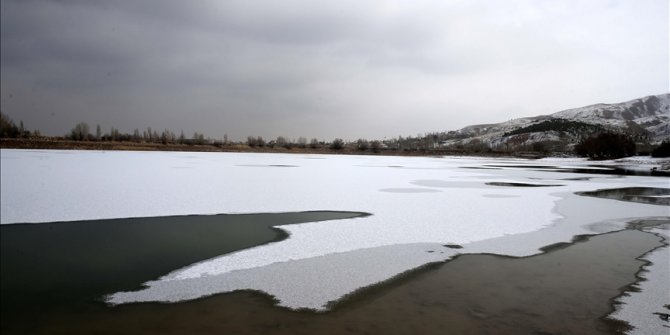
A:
{"x":338,"y":230}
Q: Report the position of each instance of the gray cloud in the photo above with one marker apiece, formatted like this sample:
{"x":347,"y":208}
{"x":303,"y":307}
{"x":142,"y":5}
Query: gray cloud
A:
{"x":322,"y":69}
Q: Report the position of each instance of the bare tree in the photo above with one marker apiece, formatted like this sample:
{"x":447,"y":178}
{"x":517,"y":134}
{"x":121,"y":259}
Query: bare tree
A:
{"x":281,"y":141}
{"x":148,"y":134}
{"x":376,"y":146}
{"x":362,"y":144}
{"x":80,"y":132}
{"x":302,"y":142}
{"x":114,"y":134}
{"x":198,"y":138}
{"x":168,"y":137}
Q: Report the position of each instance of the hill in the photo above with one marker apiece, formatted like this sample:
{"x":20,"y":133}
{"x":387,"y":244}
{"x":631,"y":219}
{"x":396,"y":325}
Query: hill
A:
{"x":646,"y":120}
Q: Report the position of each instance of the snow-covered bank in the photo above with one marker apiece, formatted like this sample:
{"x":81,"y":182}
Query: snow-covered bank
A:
{"x":644,"y":309}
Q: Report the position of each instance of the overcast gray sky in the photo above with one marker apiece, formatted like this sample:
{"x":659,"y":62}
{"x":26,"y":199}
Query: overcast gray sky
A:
{"x":324,"y":69}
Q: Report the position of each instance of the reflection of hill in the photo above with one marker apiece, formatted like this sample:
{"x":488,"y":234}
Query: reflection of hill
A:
{"x":645,"y":195}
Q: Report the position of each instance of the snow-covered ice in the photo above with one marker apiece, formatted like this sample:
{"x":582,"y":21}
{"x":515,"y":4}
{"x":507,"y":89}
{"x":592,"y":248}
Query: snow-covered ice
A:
{"x":418,"y":204}
{"x":305,"y":283}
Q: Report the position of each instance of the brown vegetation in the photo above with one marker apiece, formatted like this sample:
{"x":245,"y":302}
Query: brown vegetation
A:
{"x":434,"y":144}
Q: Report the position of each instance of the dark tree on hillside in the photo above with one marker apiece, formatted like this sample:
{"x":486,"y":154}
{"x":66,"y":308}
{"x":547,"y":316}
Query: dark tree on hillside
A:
{"x":662,"y":150}
{"x":559,"y":125}
{"x":606,"y":146}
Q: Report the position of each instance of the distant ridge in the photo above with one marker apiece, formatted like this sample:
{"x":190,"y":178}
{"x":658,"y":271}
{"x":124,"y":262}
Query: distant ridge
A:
{"x":646,"y":119}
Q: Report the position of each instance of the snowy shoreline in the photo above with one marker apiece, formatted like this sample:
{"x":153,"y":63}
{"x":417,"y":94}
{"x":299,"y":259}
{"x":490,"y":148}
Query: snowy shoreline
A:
{"x":643,"y":303}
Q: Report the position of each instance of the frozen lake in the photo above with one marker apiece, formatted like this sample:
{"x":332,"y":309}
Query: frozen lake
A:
{"x":423,"y":210}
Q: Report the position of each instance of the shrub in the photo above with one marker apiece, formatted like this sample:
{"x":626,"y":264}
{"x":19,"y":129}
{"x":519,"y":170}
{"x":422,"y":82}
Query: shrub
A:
{"x":362,"y":144}
{"x":338,"y":144}
{"x":255,"y":141}
{"x":376,"y":146}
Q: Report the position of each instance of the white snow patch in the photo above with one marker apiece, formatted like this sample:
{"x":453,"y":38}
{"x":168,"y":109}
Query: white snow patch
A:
{"x":307,"y":283}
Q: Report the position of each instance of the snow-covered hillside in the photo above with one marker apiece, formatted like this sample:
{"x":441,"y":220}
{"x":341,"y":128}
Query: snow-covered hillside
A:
{"x":646,"y":118}
{"x":652,"y":113}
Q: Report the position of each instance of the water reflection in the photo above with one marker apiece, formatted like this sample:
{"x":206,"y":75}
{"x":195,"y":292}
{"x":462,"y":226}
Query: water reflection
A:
{"x":645,"y":195}
{"x":515,"y":184}
{"x":590,"y":169}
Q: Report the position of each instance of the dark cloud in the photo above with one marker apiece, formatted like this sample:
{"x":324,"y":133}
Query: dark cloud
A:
{"x":321,"y":69}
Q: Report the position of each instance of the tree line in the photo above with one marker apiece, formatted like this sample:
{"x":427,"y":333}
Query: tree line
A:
{"x":82,"y":132}
{"x":601,"y":144}
{"x":8,"y":129}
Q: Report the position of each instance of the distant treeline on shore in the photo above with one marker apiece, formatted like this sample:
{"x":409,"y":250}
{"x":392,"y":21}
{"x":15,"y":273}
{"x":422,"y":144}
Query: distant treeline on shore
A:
{"x":601,"y":146}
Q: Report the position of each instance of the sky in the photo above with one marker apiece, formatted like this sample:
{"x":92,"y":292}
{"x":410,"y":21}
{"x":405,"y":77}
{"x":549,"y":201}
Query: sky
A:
{"x":322,"y":69}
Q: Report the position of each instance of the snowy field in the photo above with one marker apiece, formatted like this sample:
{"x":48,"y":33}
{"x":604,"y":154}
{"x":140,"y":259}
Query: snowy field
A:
{"x":420,"y":206}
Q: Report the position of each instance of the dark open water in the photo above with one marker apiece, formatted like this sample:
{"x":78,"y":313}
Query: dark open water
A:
{"x":68,"y":266}
{"x":53,"y":276}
